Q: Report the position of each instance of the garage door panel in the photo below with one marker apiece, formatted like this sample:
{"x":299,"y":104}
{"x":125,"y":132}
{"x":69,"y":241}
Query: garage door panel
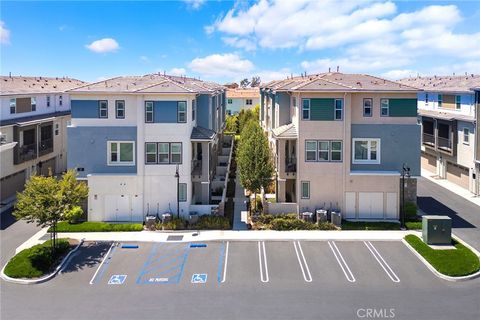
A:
{"x":137,"y":208}
{"x":370,"y":205}
{"x":350,"y":200}
{"x":123,"y":208}
{"x":458,"y":175}
{"x":376,"y":205}
{"x":110,"y":208}
{"x":392,"y":206}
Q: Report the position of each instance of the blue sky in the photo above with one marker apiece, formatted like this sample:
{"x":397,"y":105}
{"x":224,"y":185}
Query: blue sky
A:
{"x":230,"y":40}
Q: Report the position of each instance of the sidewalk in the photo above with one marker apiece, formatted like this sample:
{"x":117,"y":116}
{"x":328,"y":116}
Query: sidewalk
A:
{"x":464,"y":193}
{"x":240,"y":207}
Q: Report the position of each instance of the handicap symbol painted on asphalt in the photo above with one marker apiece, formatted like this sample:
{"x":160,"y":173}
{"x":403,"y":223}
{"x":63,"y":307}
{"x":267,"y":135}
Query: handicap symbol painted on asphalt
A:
{"x":199,"y":278}
{"x":117,"y":279}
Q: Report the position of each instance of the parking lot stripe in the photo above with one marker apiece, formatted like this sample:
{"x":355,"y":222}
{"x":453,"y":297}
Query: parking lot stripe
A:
{"x":382,"y":262}
{"x":223,"y":261}
{"x":261,"y":247}
{"x":110,"y":250}
{"x":299,"y":251}
{"x":346,"y":270}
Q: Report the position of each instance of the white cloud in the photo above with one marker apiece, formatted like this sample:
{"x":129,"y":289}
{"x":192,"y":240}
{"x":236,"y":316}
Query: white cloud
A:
{"x":242,"y":43}
{"x":4,"y":34}
{"x":177,"y":72}
{"x":144,"y":59}
{"x":194,"y":4}
{"x":103,"y":45}
{"x":228,"y":65}
{"x":269,"y":75}
{"x":400,"y":74}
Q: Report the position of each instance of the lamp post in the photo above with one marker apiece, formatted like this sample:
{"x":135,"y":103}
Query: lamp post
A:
{"x":405,"y":174}
{"x":177,"y":175}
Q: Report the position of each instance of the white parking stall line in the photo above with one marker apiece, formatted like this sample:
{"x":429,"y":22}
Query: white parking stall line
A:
{"x":388,"y":270}
{"x":103,"y":261}
{"x":263,"y":271}
{"x":346,"y":270}
{"x":226,"y":262}
{"x":298,"y":250}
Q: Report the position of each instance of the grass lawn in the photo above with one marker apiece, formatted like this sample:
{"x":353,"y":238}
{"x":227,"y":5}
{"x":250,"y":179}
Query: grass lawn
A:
{"x":35,"y":262}
{"x":454,"y":263}
{"x":91,"y":226}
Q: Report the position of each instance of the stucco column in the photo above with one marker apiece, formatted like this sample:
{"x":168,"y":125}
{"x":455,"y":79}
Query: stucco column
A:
{"x":281,"y":190}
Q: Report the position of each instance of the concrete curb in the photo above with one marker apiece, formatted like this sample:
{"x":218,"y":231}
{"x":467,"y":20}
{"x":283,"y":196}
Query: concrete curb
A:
{"x":441,"y":275}
{"x":60,"y":267}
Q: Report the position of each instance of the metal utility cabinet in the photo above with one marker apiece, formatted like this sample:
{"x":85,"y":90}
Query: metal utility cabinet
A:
{"x":437,"y":229}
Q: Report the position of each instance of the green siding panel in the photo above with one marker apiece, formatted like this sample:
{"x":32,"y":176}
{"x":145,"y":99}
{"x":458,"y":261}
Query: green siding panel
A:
{"x":322,"y":109}
{"x":402,"y":107}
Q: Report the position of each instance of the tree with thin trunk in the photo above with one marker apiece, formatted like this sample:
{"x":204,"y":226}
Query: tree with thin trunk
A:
{"x":46,"y":200}
{"x":254,"y":159}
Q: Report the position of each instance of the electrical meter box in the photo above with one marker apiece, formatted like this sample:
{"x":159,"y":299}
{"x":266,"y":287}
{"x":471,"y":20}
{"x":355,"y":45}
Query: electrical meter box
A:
{"x":437,"y":229}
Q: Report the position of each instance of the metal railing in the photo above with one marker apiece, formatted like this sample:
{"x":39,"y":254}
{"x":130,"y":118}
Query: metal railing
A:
{"x":290,"y":164}
{"x":196,"y":167}
{"x":444,"y":143}
{"x":27,"y":152}
{"x":428,"y":139}
{"x":45,"y":146}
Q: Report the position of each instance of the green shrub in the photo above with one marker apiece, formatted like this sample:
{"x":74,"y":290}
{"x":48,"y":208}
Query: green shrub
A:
{"x":410,"y":210}
{"x":282,"y":224}
{"x":326,"y":226}
{"x":36,"y":261}
{"x":174,"y":224}
{"x":92,"y":226}
{"x":413,"y":225}
{"x":73,"y":215}
{"x":209,"y":222}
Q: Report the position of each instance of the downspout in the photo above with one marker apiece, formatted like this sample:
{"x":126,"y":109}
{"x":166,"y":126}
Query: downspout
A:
{"x":343,"y":146}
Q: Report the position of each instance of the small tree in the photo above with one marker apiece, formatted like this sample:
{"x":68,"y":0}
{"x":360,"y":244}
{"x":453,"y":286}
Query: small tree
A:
{"x":254,"y":159}
{"x":47,"y":200}
{"x":255,"y":82}
{"x":244,"y":83}
{"x":232,"y":123}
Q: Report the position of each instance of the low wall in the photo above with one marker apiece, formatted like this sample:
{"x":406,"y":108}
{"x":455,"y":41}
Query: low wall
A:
{"x":280,"y":207}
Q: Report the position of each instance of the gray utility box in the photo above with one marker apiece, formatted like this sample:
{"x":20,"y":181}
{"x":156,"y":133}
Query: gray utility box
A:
{"x":437,"y":229}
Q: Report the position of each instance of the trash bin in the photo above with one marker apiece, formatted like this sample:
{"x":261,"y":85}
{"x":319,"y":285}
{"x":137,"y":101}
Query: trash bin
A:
{"x":192,"y":217}
{"x":151,"y":222}
{"x":166,"y":217}
{"x":307,"y":216}
{"x":321,"y":215}
{"x":336,"y":218}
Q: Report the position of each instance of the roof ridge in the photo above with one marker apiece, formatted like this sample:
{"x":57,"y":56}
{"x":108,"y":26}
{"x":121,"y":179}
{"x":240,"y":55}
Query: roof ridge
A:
{"x":178,"y":84}
{"x":150,"y":85}
{"x":94,"y":83}
{"x":393,"y":82}
{"x":303,"y":84}
{"x":337,"y":83}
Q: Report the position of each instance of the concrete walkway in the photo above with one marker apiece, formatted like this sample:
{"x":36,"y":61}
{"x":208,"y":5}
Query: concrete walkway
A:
{"x":240,"y":207}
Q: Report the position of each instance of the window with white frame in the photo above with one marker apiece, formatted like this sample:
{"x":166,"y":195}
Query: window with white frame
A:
{"x":148,"y":111}
{"x":426,"y":99}
{"x":163,"y":152}
{"x":466,"y":136}
{"x":305,"y":189}
{"x":120,"y":109}
{"x":249,"y":102}
{"x":182,"y":192}
{"x":194,"y":109}
{"x":60,"y":100}
{"x":384,"y":109}
{"x":182,"y":111}
{"x":33,"y":103}
{"x":310,"y":150}
{"x":323,"y":151}
{"x":458,"y":102}
{"x":121,"y":153}
{"x":48,"y":101}
{"x":338,"y":109}
{"x":367,"y":107}
{"x":306,"y":109}
{"x":440,"y":100}
{"x":366,"y":151}
{"x":103,"y":109}
{"x":150,"y":152}
{"x":13,"y":106}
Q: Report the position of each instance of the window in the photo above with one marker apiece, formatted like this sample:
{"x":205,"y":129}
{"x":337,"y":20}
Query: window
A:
{"x":306,"y":109}
{"x":440,"y":100}
{"x":103,"y":109}
{"x":148,"y":111}
{"x":182,"y":111}
{"x":33,"y":102}
{"x":323,"y":154}
{"x":48,"y":101}
{"x":458,"y":102}
{"x":426,"y":99}
{"x":305,"y":189}
{"x":175,"y":153}
{"x":151,"y":152}
{"x":13,"y":105}
{"x":310,"y":150}
{"x":60,"y":100}
{"x":384,"y":107}
{"x":57,"y":130}
{"x":466,"y":136}
{"x":163,"y":153}
{"x":194,"y":109}
{"x":182,"y":192}
{"x":367,"y":107}
{"x":249,"y":102}
{"x":336,"y":150}
{"x":338,"y":109}
{"x":229,"y":101}
{"x":366,"y":151}
{"x":120,"y":109}
{"x":121,"y":153}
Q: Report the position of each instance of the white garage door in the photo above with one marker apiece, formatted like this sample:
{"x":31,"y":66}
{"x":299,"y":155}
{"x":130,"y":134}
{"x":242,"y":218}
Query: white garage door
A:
{"x":350,"y":205}
{"x":370,"y":205}
{"x":117,"y":208}
{"x":110,"y":208}
{"x":137,"y":208}
{"x":392,"y":208}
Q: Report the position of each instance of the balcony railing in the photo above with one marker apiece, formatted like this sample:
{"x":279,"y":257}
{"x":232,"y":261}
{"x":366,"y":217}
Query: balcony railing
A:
{"x":27,"y":152}
{"x":429,"y":139}
{"x":444,"y":143}
{"x":290,"y":164}
{"x":197,"y":167}
{"x":45,"y":146}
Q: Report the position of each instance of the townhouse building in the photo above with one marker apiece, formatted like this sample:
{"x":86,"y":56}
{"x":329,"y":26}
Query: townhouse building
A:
{"x":446,"y":107}
{"x":242,"y":98}
{"x":34,"y":116}
{"x":340,"y":142}
{"x":477,"y":135}
{"x":142,"y":143}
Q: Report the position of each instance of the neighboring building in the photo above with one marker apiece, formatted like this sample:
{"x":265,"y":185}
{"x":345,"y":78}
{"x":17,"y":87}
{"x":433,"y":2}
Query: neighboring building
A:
{"x":34,"y":116}
{"x":477,"y":138}
{"x":340,"y":141}
{"x":128,"y":135}
{"x":239,"y":99}
{"x":446,"y":109}
{"x":231,"y":85}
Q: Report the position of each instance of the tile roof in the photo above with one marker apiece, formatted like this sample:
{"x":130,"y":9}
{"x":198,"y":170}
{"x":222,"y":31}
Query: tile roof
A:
{"x":37,"y":117}
{"x":13,"y":85}
{"x":243,"y":93}
{"x":444,"y":83}
{"x":151,"y":83}
{"x":336,"y":81}
{"x":288,"y":131}
{"x":200,"y":133}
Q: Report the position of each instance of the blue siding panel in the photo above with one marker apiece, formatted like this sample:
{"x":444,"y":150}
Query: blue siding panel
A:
{"x":87,"y":148}
{"x":283,"y":108}
{"x":84,"y":108}
{"x":399,"y":144}
{"x":165,"y":111}
{"x":203,"y":111}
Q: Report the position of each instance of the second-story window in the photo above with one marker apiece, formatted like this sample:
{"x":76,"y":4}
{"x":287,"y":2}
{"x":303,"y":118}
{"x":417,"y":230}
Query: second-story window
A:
{"x":48,"y":101}
{"x":182,"y":111}
{"x":306,"y":109}
{"x":163,"y":153}
{"x":151,"y":152}
{"x":249,"y":102}
{"x":148,"y":111}
{"x":440,"y":100}
{"x":121,"y":153}
{"x":230,"y":101}
{"x":194,"y":109}
{"x":60,"y":100}
{"x":33,"y":102}
{"x":120,"y":109}
{"x":310,"y":150}
{"x":175,"y":153}
{"x":103,"y":109}
{"x":426,"y":99}
{"x":338,"y":109}
{"x":13,"y":106}
{"x":466,"y":136}
{"x":458,"y":102}
{"x":367,"y":107}
{"x":384,"y":110}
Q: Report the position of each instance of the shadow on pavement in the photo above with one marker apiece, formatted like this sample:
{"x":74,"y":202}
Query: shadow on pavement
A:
{"x":7,"y":219}
{"x":432,"y":206}
{"x":91,"y":254}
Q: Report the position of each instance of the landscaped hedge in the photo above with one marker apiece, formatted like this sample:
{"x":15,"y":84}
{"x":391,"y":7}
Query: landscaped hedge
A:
{"x":92,"y":226}
{"x":36,"y":261}
{"x":287,"y":222}
{"x":209,"y":222}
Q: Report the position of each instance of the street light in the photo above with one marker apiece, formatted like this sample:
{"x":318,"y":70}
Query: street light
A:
{"x":178,"y":192}
{"x":405,"y":174}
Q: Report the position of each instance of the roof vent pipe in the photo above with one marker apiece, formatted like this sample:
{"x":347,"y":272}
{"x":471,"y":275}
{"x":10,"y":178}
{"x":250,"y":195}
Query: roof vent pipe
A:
{"x":329,"y":69}
{"x":338,"y":68}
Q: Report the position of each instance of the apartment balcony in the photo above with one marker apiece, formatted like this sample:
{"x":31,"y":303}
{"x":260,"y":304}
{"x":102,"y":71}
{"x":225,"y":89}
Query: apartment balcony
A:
{"x":429,"y":139}
{"x":444,"y":144}
{"x":45,"y":147}
{"x":25,"y":153}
